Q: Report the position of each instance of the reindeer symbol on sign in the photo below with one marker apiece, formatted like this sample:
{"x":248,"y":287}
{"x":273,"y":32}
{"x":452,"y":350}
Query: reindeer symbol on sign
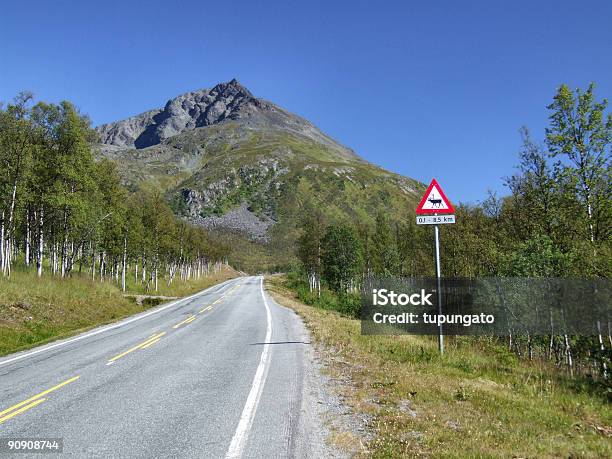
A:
{"x":435,"y":202}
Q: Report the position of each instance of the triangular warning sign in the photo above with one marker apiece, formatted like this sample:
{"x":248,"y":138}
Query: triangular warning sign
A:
{"x":434,"y":201}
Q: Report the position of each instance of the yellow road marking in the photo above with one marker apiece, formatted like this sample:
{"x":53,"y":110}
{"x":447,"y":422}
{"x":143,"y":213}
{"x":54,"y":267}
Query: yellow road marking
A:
{"x":151,"y":343}
{"x":22,"y":409}
{"x":31,"y":402}
{"x":186,"y":321}
{"x":206,"y":309}
{"x":138,"y":346}
{"x":37,"y":396}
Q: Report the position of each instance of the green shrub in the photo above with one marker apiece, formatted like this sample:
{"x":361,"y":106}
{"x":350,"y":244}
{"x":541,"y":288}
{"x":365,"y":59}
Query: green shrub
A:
{"x":349,"y":305}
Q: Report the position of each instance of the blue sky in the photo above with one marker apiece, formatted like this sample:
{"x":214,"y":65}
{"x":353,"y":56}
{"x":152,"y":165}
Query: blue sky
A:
{"x":425,"y":89}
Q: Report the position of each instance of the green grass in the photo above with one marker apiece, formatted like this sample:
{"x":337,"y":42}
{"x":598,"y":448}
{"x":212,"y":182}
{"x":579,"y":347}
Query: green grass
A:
{"x":478,"y":400}
{"x":348,"y":305}
{"x":34,"y":311}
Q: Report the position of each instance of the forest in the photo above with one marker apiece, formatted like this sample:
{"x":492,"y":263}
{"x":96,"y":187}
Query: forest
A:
{"x":555,"y":222}
{"x":64,"y":212}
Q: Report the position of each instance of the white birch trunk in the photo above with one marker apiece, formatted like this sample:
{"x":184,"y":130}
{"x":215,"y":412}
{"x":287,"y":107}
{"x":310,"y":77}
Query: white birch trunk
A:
{"x":102,"y":265}
{"x":93,"y":264}
{"x":8,"y":232}
{"x":604,"y":367}
{"x":568,"y":355}
{"x":54,"y":258}
{"x":39,"y":254}
{"x":27,"y":240}
{"x":123,"y":268}
{"x":2,"y":243}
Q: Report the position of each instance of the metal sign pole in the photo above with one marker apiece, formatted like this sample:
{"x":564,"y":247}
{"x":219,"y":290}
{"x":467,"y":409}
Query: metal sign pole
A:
{"x":439,"y":289}
{"x":433,"y":203}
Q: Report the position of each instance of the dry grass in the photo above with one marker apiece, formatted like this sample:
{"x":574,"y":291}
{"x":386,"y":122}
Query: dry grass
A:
{"x":476,"y":401}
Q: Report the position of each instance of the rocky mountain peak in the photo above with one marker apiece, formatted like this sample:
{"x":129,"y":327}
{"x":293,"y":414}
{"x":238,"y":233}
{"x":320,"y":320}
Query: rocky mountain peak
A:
{"x":232,"y":88}
{"x":225,"y":101}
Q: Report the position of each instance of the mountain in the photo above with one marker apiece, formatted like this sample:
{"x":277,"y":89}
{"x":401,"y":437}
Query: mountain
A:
{"x":246,"y":168}
{"x":206,"y":107}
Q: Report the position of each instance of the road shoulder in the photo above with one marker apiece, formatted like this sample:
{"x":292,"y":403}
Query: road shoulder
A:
{"x":329,"y":426}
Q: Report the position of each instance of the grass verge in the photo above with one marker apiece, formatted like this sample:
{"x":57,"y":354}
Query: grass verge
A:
{"x":35,"y":311}
{"x":476,"y":401}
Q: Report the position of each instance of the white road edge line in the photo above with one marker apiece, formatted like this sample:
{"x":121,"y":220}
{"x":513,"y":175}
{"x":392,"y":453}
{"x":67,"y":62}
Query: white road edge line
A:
{"x":241,"y":435}
{"x":110,"y":327}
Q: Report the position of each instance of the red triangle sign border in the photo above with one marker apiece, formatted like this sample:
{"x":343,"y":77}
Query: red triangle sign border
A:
{"x":421,"y":211}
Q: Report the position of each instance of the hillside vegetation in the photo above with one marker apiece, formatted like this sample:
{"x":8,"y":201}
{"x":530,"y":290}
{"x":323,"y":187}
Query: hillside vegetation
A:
{"x":252,"y":172}
{"x":276,"y":176}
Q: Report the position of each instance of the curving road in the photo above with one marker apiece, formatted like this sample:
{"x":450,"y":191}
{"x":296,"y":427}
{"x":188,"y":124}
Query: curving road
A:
{"x":218,"y":374}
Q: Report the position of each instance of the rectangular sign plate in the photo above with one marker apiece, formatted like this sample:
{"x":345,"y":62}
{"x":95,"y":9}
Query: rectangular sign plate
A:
{"x":435,"y":219}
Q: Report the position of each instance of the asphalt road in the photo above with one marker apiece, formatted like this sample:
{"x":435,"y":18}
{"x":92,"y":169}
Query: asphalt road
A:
{"x":219,"y":374}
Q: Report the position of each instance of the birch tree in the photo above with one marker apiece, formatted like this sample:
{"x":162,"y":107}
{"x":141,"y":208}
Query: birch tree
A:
{"x":581,"y":132}
{"x":16,"y":144}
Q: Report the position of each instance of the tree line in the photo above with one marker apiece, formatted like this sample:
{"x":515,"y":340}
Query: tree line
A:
{"x":556,"y":221}
{"x":62,"y":211}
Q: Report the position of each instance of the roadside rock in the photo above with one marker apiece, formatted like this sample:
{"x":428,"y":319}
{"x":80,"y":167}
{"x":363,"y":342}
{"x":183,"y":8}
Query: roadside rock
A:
{"x":405,"y":406}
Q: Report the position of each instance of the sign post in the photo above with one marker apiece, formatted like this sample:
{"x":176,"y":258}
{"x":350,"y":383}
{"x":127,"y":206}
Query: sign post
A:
{"x":439,"y":288}
{"x":434,"y":209}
